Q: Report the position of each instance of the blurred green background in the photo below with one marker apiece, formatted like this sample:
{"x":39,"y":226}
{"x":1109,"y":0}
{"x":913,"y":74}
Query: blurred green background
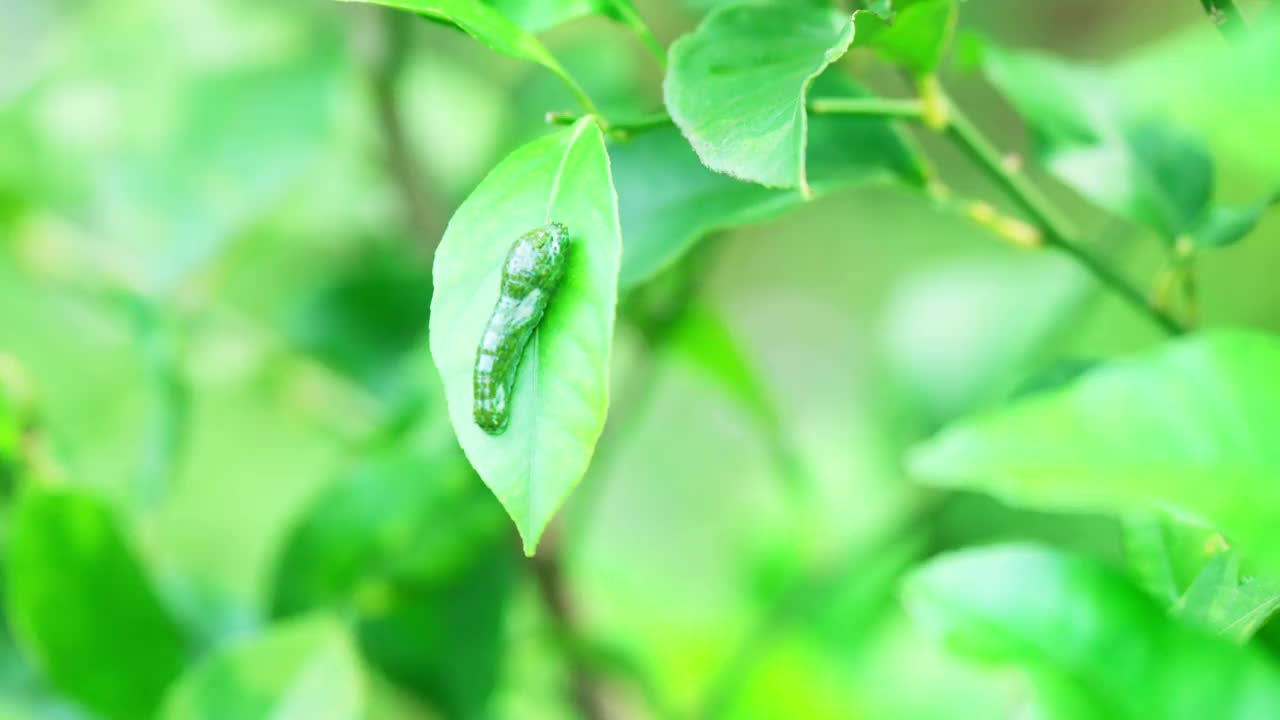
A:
{"x":216,"y":227}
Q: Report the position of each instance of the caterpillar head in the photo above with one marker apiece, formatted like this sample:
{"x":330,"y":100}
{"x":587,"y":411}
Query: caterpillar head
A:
{"x":538,"y":259}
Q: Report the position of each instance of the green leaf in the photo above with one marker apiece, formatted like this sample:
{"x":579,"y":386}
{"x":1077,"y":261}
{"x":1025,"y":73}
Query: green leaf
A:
{"x":1181,"y":427}
{"x":1226,"y":603}
{"x":418,"y":552}
{"x":561,"y":393}
{"x":1082,"y":629}
{"x":916,"y":37}
{"x":736,"y":87}
{"x":82,"y":607}
{"x":1133,"y":164}
{"x":1222,"y":226}
{"x":494,"y":29}
{"x":304,"y":670}
{"x":538,"y":15}
{"x":670,"y":201}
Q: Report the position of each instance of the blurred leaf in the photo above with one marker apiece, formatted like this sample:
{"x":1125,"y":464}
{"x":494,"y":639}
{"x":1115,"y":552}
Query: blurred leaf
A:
{"x":915,"y":37}
{"x":82,"y":607}
{"x":1133,"y":164}
{"x":1086,"y":631}
{"x":559,"y":400}
{"x":1181,"y":427}
{"x":1224,"y":602}
{"x":491,"y":28}
{"x":538,"y":15}
{"x":367,"y":315}
{"x":303,"y":670}
{"x":415,"y":548}
{"x":736,"y":87}
{"x":945,"y":352}
{"x":1224,"y":90}
{"x":670,"y":201}
{"x":1222,"y":226}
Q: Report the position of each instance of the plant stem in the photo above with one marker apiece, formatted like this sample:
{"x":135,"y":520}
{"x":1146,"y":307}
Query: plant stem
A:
{"x":910,"y":109}
{"x":888,"y":108}
{"x":385,"y":67}
{"x":548,"y":571}
{"x":1057,"y":232}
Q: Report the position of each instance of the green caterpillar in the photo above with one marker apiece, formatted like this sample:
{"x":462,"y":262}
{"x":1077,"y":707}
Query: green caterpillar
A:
{"x":534,"y":267}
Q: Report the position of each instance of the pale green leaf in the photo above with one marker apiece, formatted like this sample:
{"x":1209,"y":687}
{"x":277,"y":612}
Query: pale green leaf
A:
{"x":1182,"y":427}
{"x":1096,"y":640}
{"x":1222,"y":225}
{"x":915,"y":37}
{"x":492,"y":28}
{"x":302,"y":670}
{"x":736,"y":87}
{"x":82,"y":608}
{"x":1227,"y":603}
{"x":670,"y":201}
{"x":559,"y":402}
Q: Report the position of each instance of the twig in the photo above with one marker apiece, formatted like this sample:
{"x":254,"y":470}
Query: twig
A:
{"x":390,"y":41}
{"x":1057,"y":232}
{"x":548,"y":571}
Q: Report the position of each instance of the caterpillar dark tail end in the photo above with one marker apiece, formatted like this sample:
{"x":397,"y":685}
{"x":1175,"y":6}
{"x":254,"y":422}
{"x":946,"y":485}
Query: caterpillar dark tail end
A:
{"x":534,"y":267}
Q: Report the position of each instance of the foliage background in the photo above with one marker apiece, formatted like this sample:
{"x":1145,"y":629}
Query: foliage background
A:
{"x":216,"y":229}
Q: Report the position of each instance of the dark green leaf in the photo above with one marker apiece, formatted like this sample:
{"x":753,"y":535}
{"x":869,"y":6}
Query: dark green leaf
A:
{"x":1134,"y":165}
{"x":303,"y":670}
{"x":915,"y":37}
{"x":670,"y":201}
{"x":1084,"y":631}
{"x":1180,"y":427}
{"x":736,"y":87}
{"x":561,"y":392}
{"x":83,"y":609}
{"x":419,"y":552}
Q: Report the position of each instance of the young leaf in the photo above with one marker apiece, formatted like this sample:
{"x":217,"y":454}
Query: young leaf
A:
{"x":1087,"y":135}
{"x":82,"y":607}
{"x":1180,"y":427}
{"x":915,"y":37}
{"x":492,"y":28}
{"x":1084,"y":628}
{"x":417,"y":548}
{"x":560,"y":397}
{"x":670,"y":201}
{"x":736,"y":87}
{"x":304,"y":670}
{"x":1222,"y":226}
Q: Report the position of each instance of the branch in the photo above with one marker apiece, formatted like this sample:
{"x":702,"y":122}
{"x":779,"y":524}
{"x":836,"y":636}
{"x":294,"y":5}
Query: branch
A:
{"x":389,"y":48}
{"x":548,"y":571}
{"x":1057,"y":232}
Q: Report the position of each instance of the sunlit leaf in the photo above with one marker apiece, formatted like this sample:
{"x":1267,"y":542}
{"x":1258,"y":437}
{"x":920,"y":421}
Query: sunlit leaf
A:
{"x":1228,"y":603}
{"x":670,"y":201}
{"x":1080,"y":627}
{"x":1181,"y":427}
{"x":560,"y":397}
{"x":83,"y":609}
{"x":490,"y":27}
{"x":737,"y":85}
{"x":304,"y":670}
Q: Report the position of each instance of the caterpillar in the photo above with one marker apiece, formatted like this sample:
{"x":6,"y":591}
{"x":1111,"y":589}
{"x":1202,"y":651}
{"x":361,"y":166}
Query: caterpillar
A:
{"x":534,"y":267}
